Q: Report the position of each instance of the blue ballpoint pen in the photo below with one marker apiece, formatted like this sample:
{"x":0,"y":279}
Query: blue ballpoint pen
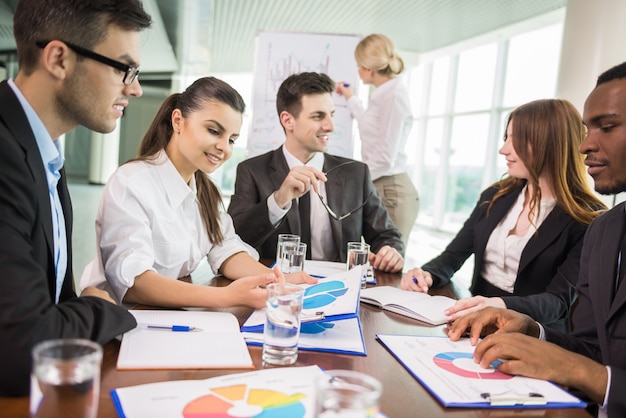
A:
{"x":175,"y":328}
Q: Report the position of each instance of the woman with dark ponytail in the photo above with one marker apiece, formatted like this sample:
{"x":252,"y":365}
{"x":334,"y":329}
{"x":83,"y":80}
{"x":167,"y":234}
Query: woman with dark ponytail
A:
{"x":160,"y":213}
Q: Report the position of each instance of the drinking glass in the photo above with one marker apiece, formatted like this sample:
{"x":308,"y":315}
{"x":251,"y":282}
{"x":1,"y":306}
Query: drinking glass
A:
{"x":293,"y":257}
{"x":346,"y":394}
{"x":282,"y":323}
{"x":65,"y":380}
{"x":358,"y":255}
{"x":282,"y":238}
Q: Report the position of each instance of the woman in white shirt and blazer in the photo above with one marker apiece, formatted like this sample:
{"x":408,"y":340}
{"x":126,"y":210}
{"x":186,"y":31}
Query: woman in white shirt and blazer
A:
{"x":160,"y":214}
{"x":384,"y":128}
{"x":526,"y":231}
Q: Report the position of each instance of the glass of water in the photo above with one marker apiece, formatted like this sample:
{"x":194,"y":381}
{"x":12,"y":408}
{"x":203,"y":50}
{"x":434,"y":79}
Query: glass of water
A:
{"x":283,"y":238}
{"x":293,"y":257}
{"x":346,"y":393}
{"x":282,"y":323}
{"x":359,"y":255}
{"x":65,"y":380}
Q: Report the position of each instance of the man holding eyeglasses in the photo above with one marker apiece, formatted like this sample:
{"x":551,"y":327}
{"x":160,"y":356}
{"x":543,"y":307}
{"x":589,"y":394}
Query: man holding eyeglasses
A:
{"x":78,"y":61}
{"x":341,"y":202}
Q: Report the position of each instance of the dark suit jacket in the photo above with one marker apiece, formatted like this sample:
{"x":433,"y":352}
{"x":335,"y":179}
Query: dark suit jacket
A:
{"x":28,"y":313}
{"x":545,"y":286}
{"x":599,"y":319}
{"x":260,"y":176}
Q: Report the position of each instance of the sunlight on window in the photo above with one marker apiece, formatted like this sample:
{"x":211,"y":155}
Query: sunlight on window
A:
{"x":474,"y":88}
{"x":532,"y":65}
{"x":439,"y":86}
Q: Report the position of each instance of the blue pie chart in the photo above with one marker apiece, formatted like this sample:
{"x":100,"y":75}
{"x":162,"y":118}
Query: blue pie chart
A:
{"x":323,"y":294}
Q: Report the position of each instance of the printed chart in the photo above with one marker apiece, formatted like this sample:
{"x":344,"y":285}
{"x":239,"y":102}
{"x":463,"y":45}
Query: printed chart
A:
{"x":239,"y":401}
{"x":323,"y":294}
{"x":462,"y":364}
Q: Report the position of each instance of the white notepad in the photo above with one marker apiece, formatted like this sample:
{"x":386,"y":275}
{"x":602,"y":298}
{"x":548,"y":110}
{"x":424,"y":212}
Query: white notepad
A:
{"x":218,"y":344}
{"x":416,"y":305}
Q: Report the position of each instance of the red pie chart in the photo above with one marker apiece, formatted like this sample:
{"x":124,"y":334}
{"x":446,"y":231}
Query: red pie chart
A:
{"x":462,"y":364}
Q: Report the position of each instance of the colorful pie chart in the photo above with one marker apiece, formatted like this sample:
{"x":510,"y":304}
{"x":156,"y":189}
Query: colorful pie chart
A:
{"x":323,"y":294}
{"x":462,"y":364}
{"x":241,"y":402}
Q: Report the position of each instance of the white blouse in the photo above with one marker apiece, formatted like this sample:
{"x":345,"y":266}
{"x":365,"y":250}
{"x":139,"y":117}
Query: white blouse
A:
{"x":384,"y":127}
{"x":504,"y":250}
{"x":149,"y":219}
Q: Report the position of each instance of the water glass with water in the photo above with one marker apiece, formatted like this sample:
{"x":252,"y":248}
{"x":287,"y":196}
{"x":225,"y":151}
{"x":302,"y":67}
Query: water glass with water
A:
{"x":359,"y":255}
{"x":282,"y":238}
{"x":282,"y":323}
{"x":293,"y":257}
{"x":65,"y":380}
{"x":347,"y":394}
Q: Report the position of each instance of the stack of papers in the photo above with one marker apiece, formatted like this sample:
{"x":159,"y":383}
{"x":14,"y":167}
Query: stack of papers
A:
{"x":329,"y":316}
{"x":184,"y":340}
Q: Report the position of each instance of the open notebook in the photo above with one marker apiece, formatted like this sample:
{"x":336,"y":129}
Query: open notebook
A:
{"x":216,"y":342}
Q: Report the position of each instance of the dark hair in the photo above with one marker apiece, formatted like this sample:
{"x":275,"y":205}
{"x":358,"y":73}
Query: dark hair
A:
{"x":546,"y":137}
{"x":158,"y":135}
{"x":81,"y":22}
{"x":617,"y":72}
{"x":291,"y":90}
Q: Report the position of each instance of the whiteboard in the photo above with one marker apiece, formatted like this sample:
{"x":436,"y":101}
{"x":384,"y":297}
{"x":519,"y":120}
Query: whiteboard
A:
{"x":280,"y":54}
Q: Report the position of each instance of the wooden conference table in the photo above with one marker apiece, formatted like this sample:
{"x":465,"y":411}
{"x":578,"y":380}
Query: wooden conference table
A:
{"x":402,"y":395}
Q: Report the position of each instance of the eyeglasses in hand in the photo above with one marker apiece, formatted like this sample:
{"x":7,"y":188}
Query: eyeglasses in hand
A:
{"x":130,"y":72}
{"x":329,"y":210}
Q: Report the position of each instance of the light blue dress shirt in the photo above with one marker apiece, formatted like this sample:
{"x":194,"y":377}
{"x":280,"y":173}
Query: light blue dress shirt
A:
{"x":52,"y":157}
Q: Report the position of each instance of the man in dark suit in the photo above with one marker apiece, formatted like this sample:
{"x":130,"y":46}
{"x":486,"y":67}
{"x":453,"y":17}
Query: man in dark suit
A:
{"x":273,"y":189}
{"x":591,"y":359}
{"x":64,"y":80}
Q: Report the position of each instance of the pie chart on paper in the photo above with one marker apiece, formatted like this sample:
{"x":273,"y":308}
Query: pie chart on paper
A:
{"x":462,"y":364}
{"x":323,"y":294}
{"x":239,"y":401}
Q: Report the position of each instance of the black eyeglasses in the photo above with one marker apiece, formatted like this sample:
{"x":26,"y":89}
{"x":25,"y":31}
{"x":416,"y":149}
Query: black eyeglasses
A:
{"x":329,"y":210}
{"x":130,"y":72}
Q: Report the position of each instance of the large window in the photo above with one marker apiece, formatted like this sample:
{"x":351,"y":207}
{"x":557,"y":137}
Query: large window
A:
{"x":460,"y":101}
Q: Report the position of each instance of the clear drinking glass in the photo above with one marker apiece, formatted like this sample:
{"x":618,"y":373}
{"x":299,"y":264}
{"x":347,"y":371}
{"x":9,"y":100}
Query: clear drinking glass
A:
{"x":65,"y":380}
{"x":282,"y":324}
{"x":347,"y":394}
{"x":358,"y":255}
{"x":282,"y":238}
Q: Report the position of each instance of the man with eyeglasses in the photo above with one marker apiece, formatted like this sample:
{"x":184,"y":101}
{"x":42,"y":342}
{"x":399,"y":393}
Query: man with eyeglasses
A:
{"x":78,"y":63}
{"x":341,"y":202}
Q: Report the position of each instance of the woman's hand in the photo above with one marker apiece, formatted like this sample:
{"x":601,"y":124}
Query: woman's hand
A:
{"x":417,"y":280}
{"x":472,"y":304}
{"x":300,"y":277}
{"x":248,"y":291}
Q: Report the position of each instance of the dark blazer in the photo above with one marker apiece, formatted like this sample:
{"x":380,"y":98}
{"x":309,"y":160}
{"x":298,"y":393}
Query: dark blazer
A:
{"x":260,"y":176}
{"x":545,"y":286}
{"x":599,"y":319}
{"x":28,"y":313}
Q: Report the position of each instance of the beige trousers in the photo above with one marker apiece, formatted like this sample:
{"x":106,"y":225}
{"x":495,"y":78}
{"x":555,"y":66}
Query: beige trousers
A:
{"x":402,"y":201}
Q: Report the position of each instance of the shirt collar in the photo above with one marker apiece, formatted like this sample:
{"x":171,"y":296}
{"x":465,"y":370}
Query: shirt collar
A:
{"x":176,"y":189}
{"x":316,"y":162}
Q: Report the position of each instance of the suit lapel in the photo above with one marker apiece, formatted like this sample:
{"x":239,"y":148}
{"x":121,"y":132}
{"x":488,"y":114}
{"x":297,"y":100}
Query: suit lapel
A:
{"x":549,"y":229}
{"x":613,"y":238}
{"x":15,"y":119}
{"x":334,"y":197}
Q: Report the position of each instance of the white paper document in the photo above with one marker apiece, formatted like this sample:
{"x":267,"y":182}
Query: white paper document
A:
{"x":416,"y":305}
{"x":271,"y":393}
{"x":447,"y":370}
{"x":318,"y":268}
{"x":216,"y":342}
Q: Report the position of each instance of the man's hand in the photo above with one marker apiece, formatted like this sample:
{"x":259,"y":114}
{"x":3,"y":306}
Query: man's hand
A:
{"x":298,"y":182}
{"x":387,"y":259}
{"x":417,"y":280}
{"x":466,"y":306}
{"x":526,"y":356}
{"x":492,"y":320}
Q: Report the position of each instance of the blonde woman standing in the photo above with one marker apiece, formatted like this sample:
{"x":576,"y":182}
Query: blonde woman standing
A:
{"x":384,"y":127}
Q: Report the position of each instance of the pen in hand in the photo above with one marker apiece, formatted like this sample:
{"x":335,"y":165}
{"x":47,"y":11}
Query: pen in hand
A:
{"x":424,"y":288}
{"x":175,"y":328}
